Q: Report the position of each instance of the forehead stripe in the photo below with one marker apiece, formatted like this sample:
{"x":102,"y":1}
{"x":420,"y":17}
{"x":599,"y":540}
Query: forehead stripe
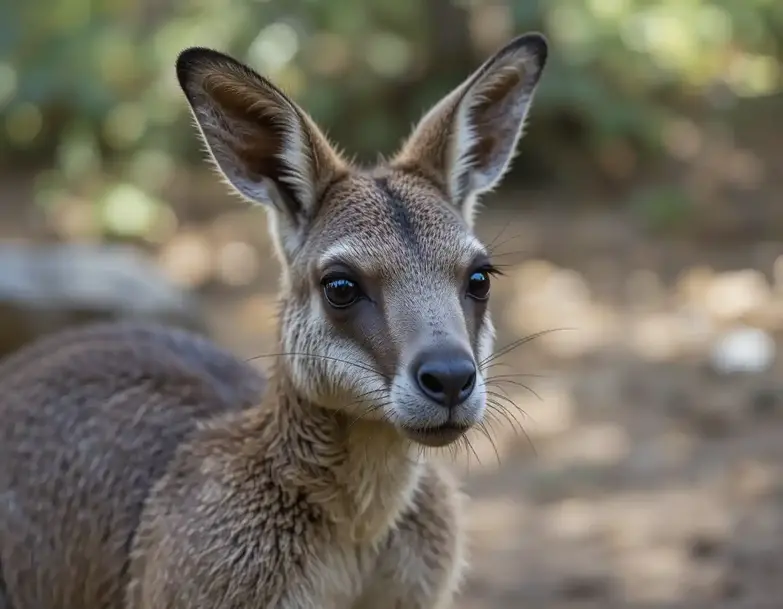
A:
{"x":399,"y":215}
{"x":403,"y":232}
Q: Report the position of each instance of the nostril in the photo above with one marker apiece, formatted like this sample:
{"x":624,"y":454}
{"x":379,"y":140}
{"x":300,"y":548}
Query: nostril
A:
{"x":471,"y":380}
{"x":431,"y":383}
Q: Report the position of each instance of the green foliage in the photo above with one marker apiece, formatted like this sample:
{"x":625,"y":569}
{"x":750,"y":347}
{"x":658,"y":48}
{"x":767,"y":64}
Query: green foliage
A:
{"x":91,"y":82}
{"x":663,"y":209}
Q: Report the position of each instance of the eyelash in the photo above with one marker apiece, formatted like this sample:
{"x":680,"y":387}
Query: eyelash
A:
{"x":490,"y":269}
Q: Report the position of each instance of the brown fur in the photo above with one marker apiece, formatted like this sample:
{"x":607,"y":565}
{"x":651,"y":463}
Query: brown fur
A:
{"x":90,"y":419}
{"x":139,"y":466}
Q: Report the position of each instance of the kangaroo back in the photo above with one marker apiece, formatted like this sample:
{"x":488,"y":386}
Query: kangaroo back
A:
{"x":90,"y":419}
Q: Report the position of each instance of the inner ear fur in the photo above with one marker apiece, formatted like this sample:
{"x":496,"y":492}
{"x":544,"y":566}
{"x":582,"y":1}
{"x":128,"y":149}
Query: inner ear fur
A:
{"x":465,"y":143}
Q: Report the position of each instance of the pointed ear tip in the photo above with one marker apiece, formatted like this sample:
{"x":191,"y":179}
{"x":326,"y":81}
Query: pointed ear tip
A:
{"x":191,"y":58}
{"x":534,"y":43}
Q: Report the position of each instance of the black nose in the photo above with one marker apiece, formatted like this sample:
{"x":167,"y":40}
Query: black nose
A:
{"x":445,"y":377}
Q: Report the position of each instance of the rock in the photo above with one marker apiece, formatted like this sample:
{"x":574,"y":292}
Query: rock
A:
{"x":704,"y":547}
{"x":730,"y":587}
{"x":47,"y":288}
{"x":743,"y":349}
{"x":714,"y":422}
{"x":586,"y":587}
{"x":712,"y":582}
{"x":766,"y":402}
{"x":717,"y":412}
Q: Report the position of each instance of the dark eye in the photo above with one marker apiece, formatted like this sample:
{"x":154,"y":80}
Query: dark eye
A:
{"x":341,"y":293}
{"x":478,"y":285}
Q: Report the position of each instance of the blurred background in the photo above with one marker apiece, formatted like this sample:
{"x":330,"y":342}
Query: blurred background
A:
{"x":643,"y":212}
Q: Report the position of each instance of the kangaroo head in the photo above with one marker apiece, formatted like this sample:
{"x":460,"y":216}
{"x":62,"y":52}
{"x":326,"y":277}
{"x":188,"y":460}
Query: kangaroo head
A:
{"x":385,"y":287}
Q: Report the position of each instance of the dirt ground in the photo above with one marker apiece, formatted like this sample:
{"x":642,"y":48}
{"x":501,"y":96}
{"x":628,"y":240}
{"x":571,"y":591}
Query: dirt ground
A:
{"x":637,"y":476}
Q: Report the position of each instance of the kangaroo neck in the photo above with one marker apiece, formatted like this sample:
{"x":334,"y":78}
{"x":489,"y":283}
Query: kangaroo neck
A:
{"x":362,"y":472}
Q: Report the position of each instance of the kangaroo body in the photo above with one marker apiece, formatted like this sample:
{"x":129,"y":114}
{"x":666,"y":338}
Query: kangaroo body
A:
{"x":145,"y":468}
{"x":91,"y":419}
{"x":85,"y":479}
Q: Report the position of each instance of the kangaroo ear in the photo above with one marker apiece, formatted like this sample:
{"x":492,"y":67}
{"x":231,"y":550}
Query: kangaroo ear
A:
{"x":466,"y":142}
{"x":267,"y":148}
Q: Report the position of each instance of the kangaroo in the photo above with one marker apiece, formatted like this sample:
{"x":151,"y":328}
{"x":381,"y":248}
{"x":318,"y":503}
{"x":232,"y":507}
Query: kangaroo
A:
{"x":142,"y":467}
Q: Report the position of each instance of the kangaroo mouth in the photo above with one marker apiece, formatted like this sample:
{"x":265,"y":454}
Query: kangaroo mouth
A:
{"x":440,"y":435}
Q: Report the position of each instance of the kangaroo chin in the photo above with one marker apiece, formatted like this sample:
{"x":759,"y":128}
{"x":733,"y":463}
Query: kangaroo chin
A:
{"x":143,"y":467}
{"x":436,"y":436}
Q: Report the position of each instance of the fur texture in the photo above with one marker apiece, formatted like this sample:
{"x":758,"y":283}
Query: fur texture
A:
{"x":91,"y":418}
{"x":141,"y":468}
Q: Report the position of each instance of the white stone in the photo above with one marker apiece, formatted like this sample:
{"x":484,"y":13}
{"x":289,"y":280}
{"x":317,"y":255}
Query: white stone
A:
{"x":744,"y":349}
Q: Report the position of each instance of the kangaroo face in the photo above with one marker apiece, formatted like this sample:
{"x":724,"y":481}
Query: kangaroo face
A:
{"x":385,"y":288}
{"x":392,"y":287}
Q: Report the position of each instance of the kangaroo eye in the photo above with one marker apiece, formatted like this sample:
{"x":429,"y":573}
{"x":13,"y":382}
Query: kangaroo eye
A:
{"x":478,"y":285}
{"x":341,"y":293}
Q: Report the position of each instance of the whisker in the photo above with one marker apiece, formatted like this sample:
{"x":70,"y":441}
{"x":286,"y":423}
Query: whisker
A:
{"x":521,"y":386}
{"x":505,"y":395}
{"x":453,"y":451}
{"x":506,"y":399}
{"x":472,"y":450}
{"x":485,"y":432}
{"x":517,"y":343}
{"x":496,"y":412}
{"x":367,"y":411}
{"x":500,"y":409}
{"x":506,"y":404}
{"x":325,"y":357}
{"x":485,"y":368}
{"x":493,"y":243}
{"x":520,"y":375}
{"x":488,"y":430}
{"x":370,"y":392}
